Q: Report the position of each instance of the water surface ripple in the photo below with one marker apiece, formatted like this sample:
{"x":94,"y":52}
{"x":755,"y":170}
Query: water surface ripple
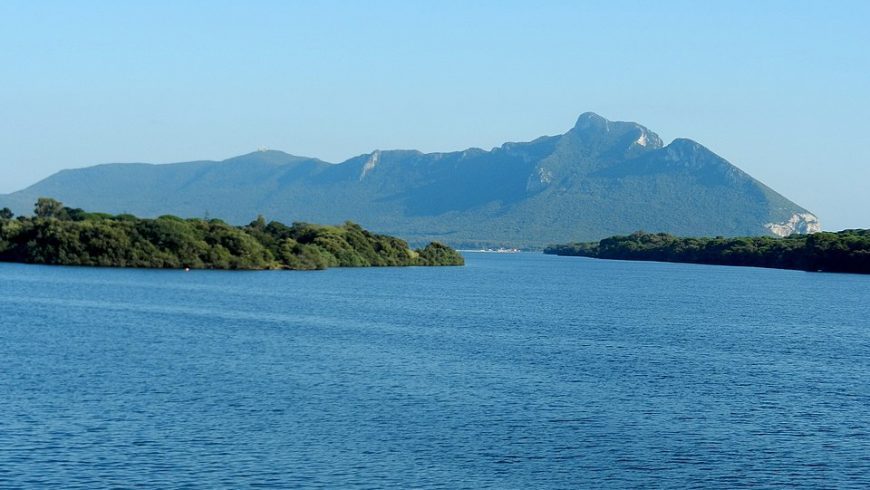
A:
{"x":516,"y":371}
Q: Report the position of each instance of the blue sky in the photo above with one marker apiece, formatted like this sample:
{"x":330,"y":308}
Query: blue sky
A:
{"x":779,"y":88}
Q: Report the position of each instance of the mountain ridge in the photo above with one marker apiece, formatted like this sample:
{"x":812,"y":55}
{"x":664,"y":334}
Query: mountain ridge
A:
{"x":598,"y":179}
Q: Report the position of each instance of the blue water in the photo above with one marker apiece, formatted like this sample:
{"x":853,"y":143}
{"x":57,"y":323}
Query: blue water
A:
{"x":516,"y":371}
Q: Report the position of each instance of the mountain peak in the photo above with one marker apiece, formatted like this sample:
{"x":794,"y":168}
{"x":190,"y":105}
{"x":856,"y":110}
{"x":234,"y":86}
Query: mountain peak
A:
{"x":268,"y":157}
{"x":596,"y":131}
{"x":686,"y":148}
{"x":591,"y":120}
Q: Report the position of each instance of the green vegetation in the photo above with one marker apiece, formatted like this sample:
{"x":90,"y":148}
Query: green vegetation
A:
{"x":844,"y":251}
{"x":60,"y":235}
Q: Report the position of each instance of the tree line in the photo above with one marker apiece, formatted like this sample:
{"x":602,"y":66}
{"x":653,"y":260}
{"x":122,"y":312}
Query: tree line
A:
{"x":60,"y":235}
{"x":844,"y":251}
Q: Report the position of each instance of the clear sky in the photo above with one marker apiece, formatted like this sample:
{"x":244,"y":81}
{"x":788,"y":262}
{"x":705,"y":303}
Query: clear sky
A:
{"x":779,"y":88}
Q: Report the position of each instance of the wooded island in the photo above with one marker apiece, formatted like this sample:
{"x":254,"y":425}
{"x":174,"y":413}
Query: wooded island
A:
{"x":844,"y":251}
{"x":59,"y":235}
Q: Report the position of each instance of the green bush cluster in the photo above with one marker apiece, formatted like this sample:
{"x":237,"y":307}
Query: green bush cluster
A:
{"x":439,"y":254}
{"x":65,"y":236}
{"x":844,"y":251}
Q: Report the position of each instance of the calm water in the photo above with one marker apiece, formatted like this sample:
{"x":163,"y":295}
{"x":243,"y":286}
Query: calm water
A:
{"x":517,"y":371}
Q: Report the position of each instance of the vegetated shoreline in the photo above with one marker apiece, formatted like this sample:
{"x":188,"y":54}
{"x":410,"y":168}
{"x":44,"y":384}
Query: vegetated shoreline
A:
{"x":59,"y":235}
{"x":843,"y":251}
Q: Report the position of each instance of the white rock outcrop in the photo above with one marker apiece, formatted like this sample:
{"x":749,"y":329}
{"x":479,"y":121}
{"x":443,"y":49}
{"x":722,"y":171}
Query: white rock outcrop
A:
{"x":800,"y":223}
{"x":545,"y":176}
{"x":370,"y":164}
{"x":642,"y":140}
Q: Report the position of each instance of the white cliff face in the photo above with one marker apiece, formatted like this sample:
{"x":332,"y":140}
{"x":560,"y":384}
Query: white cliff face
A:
{"x":545,"y":176}
{"x":646,"y":139}
{"x":539,"y":180}
{"x":642,"y":141}
{"x":800,"y":223}
{"x":370,"y":164}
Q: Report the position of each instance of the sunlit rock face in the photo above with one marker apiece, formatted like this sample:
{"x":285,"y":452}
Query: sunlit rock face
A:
{"x":800,"y":223}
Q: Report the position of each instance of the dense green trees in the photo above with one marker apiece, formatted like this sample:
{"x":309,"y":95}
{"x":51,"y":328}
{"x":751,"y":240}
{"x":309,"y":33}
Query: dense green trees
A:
{"x":66,"y":236}
{"x":845,"y":251}
{"x":49,"y":208}
{"x":439,"y":254}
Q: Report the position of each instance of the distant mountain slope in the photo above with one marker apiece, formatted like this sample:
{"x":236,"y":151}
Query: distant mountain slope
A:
{"x":601,"y":178}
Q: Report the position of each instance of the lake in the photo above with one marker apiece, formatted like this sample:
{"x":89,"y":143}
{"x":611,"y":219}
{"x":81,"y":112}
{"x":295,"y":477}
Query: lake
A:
{"x":516,"y":371}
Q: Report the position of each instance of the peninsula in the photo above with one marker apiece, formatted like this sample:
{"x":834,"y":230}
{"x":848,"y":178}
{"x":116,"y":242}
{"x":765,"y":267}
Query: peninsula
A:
{"x":59,"y":235}
{"x":844,"y":251}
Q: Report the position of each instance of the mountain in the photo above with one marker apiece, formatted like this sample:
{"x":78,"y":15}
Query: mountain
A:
{"x":601,"y":178}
